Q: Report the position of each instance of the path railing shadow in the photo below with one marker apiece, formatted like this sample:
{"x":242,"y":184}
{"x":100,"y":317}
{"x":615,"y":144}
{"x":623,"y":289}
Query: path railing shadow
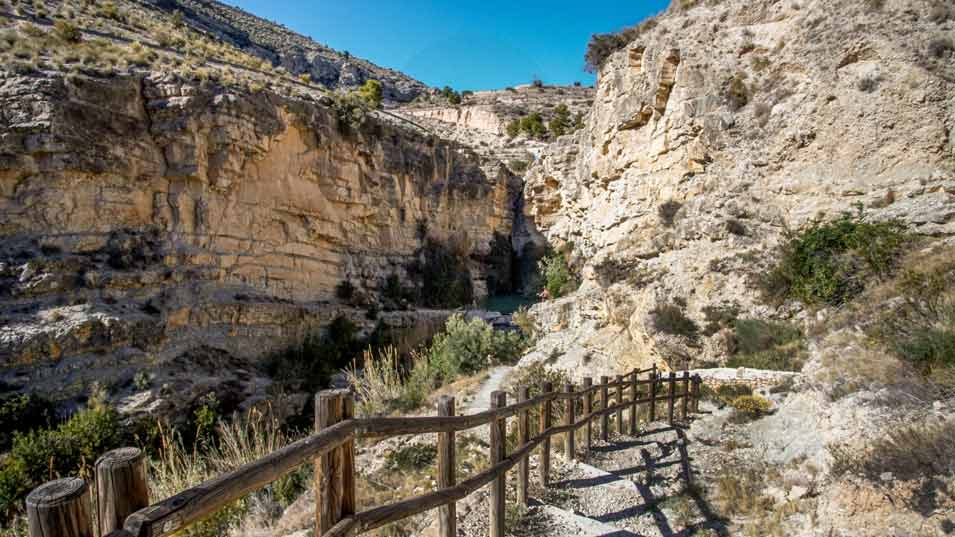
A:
{"x":649,"y":468}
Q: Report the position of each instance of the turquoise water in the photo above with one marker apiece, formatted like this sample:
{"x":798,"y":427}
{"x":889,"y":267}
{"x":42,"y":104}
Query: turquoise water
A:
{"x":506,"y":304}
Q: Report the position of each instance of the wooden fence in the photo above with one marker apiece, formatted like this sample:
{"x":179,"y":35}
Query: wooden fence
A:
{"x":63,"y":507}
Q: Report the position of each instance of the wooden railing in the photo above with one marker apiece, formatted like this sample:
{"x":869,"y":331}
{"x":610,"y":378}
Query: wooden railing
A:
{"x":63,"y":507}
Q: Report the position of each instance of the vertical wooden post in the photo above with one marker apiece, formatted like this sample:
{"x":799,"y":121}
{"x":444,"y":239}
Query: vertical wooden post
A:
{"x":121,"y":488}
{"x":685,"y":403}
{"x":671,"y":397}
{"x":588,"y":410}
{"x":570,"y":450}
{"x":633,"y":400}
{"x":697,"y":381}
{"x":497,"y":438}
{"x":523,"y":436}
{"x":60,"y":508}
{"x":329,"y":468}
{"x":604,"y":405}
{"x":447,"y":513}
{"x":349,"y":483}
{"x":653,"y":394}
{"x":545,"y":445}
{"x":620,"y":407}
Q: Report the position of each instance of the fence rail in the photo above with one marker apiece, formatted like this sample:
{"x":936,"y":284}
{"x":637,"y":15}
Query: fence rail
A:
{"x":63,"y":507}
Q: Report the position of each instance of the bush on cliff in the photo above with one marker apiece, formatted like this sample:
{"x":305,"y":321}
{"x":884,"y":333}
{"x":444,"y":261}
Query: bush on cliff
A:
{"x":767,"y":345}
{"x":308,"y":367}
{"x":828,"y":263}
{"x":558,"y":278}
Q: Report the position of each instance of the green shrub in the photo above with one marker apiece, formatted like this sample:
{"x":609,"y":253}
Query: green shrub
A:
{"x":671,"y":319}
{"x":465,"y":347}
{"x":67,"y":32}
{"x":667,"y":212}
{"x":452,"y":96}
{"x":411,"y":457}
{"x":517,"y":166}
{"x":558,"y":278}
{"x":750,"y":407}
{"x":44,"y":454}
{"x":601,"y":46}
{"x":534,"y":376}
{"x":533,"y":125}
{"x":737,"y":93}
{"x":350,"y":109}
{"x":728,"y":392}
{"x":831,"y":262}
{"x":23,"y":413}
{"x":345,"y":290}
{"x":766,"y":345}
{"x":513,"y":128}
{"x":560,"y":124}
{"x":370,"y":92}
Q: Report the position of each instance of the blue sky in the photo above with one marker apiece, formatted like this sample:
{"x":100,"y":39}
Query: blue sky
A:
{"x":464,"y":44}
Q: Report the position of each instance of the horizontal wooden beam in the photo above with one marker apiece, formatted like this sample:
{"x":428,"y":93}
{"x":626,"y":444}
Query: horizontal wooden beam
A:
{"x":191,"y":505}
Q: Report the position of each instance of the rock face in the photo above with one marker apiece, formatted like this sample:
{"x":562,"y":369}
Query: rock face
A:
{"x":481,"y":120}
{"x":296,"y":53}
{"x":149,"y":222}
{"x":720,"y":128}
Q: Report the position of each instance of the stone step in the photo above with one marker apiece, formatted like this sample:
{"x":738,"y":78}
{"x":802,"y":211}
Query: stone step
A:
{"x":583,"y":475}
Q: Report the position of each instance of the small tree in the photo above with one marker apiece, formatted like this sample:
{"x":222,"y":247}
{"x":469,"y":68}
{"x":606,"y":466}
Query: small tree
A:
{"x":560,"y":124}
{"x":371,"y":93}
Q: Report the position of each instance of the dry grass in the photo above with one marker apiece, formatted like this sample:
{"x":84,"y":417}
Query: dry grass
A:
{"x":242,"y":440}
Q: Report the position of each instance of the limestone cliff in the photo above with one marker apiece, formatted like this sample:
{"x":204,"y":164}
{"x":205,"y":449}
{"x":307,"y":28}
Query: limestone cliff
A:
{"x":188,"y":228}
{"x":717,"y":129}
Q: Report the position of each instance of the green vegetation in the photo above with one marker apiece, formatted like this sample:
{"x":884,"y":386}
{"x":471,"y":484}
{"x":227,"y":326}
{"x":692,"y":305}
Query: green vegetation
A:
{"x":827,"y":263}
{"x":412,"y":457}
{"x":42,"y":454}
{"x":667,"y":212}
{"x":67,"y":32}
{"x":465,"y":347}
{"x":561,"y":123}
{"x":737,"y":93}
{"x":919,"y":328}
{"x":23,"y":413}
{"x":386,"y":383}
{"x":370,"y":92}
{"x":451,"y":95}
{"x":601,"y":46}
{"x":671,"y":319}
{"x":307,"y":367}
{"x":531,"y":125}
{"x":558,"y":278}
{"x":767,"y":345}
{"x":750,"y":407}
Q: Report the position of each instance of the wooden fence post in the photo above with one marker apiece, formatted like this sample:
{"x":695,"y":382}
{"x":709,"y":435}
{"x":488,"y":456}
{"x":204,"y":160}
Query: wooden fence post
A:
{"x":60,"y":508}
{"x":685,"y":403}
{"x":349,"y":483}
{"x":329,"y":468}
{"x":545,"y":444}
{"x":447,"y":513}
{"x":620,"y":404}
{"x":570,"y":450}
{"x":523,"y":436}
{"x":633,"y":399}
{"x":588,"y":410}
{"x":671,"y":397}
{"x":497,"y":436}
{"x":653,"y":394}
{"x":696,"y":393}
{"x":121,"y":487}
{"x":604,"y":405}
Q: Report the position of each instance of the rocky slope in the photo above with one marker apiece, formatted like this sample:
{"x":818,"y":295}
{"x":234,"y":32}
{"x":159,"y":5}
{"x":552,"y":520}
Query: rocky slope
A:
{"x":187,"y":229}
{"x":718,"y":128}
{"x":278,"y":45}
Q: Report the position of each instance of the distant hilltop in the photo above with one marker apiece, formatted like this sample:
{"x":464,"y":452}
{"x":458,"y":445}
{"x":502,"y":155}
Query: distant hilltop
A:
{"x":298,"y":54}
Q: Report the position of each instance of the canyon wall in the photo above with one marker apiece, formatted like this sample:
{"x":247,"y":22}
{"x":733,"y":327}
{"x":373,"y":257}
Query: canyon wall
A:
{"x":714,"y":132}
{"x":153,"y":223}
